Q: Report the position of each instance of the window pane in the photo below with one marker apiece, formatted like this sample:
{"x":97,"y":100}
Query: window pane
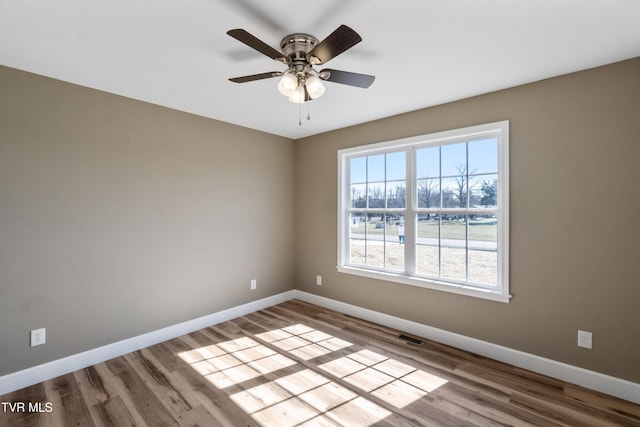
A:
{"x":487,"y":190}
{"x":395,"y":230}
{"x":427,"y":251}
{"x":453,"y":252}
{"x":394,"y":244}
{"x":428,"y":229}
{"x":376,"y":194}
{"x":357,"y":252}
{"x":357,"y":232}
{"x":358,"y":170}
{"x":483,"y":267}
{"x":483,"y":232}
{"x":428,"y":261}
{"x":454,"y":192}
{"x":483,"y":156}
{"x":375,"y":227}
{"x":357,"y":222}
{"x":358,"y":196}
{"x":396,"y":166}
{"x":454,"y":159}
{"x":375,"y":240}
{"x":453,"y":263}
{"x":394,"y":256}
{"x":428,"y":193}
{"x":375,"y":168}
{"x":483,"y":249}
{"x":474,"y":191}
{"x":428,"y":162}
{"x":454,"y":231}
{"x":375,"y":253}
{"x":396,"y":194}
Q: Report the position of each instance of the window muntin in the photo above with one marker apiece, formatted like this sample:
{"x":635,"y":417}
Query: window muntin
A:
{"x":447,"y":192}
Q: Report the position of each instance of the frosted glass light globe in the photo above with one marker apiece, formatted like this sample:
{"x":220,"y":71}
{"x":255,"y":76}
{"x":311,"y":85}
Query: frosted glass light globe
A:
{"x":315,"y":87}
{"x":297,"y":96}
{"x":288,"y":84}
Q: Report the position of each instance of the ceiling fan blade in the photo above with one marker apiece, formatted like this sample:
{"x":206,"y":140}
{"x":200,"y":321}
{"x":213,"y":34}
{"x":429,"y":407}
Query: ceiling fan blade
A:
{"x":337,"y":42}
{"x":253,"y":77}
{"x":255,"y":43}
{"x":347,"y":78}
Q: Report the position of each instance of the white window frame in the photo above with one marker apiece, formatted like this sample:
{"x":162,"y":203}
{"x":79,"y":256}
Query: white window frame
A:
{"x":500,"y":130}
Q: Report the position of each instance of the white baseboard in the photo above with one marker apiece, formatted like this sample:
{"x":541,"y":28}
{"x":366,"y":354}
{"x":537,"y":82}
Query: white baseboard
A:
{"x":593,"y":380}
{"x":37,"y":374}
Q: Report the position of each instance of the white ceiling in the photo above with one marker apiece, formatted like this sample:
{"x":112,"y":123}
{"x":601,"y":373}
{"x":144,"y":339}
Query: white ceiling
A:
{"x":176,"y":53}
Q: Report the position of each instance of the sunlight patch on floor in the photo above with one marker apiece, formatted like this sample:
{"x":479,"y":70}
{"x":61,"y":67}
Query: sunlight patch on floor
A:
{"x":391,"y":380}
{"x":307,"y":397}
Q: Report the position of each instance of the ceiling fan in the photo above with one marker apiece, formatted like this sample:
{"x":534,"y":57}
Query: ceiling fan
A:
{"x":300,"y":52}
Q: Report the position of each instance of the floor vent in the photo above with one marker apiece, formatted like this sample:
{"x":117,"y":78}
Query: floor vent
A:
{"x":410,"y":340}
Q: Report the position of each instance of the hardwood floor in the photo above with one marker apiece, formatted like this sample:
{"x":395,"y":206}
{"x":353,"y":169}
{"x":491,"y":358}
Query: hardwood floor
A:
{"x":296,"y":364}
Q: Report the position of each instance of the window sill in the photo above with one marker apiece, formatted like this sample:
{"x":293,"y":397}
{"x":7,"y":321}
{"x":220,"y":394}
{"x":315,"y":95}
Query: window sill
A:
{"x":425,"y":283}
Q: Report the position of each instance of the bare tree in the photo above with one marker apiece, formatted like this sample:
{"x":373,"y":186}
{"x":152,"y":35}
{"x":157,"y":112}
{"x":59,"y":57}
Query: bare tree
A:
{"x":376,"y":197}
{"x":427,"y":192}
{"x":397,"y":197}
{"x":462,"y":192}
{"x":358,"y":198}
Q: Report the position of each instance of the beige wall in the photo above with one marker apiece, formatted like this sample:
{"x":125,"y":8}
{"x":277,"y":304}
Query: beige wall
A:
{"x":118,"y":217}
{"x":575,"y":232}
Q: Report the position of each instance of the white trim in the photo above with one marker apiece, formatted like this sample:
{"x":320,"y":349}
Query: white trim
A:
{"x":503,"y":212}
{"x":593,"y":380}
{"x":26,"y":377}
{"x":447,"y":136}
{"x":583,"y":377}
{"x":469,"y":291}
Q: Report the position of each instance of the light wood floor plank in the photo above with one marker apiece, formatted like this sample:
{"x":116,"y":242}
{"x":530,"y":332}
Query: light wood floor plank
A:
{"x":296,"y":364}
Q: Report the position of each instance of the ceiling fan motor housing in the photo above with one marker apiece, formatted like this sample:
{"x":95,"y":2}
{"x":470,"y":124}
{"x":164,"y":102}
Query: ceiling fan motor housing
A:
{"x":295,"y":48}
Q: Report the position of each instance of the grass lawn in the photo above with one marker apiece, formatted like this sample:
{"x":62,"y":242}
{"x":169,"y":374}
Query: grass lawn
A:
{"x":479,"y":229}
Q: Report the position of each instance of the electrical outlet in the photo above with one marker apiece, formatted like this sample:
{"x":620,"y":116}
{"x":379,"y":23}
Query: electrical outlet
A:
{"x":254,"y":284}
{"x":38,"y":337}
{"x":585,"y":339}
{"x":318,"y":280}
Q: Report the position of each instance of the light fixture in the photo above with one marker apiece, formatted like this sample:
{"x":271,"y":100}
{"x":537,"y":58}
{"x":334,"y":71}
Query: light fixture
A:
{"x":298,"y":95}
{"x":288,"y":84}
{"x":301,"y":85}
{"x":315,"y":87}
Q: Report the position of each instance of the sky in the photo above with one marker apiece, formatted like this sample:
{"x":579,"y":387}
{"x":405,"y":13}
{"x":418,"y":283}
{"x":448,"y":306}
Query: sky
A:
{"x":432,"y":162}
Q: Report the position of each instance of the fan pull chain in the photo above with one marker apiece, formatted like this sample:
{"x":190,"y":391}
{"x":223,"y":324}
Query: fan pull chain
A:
{"x":300,"y":112}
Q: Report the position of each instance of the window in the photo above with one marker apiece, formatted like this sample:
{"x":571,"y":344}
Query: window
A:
{"x":429,"y":211}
